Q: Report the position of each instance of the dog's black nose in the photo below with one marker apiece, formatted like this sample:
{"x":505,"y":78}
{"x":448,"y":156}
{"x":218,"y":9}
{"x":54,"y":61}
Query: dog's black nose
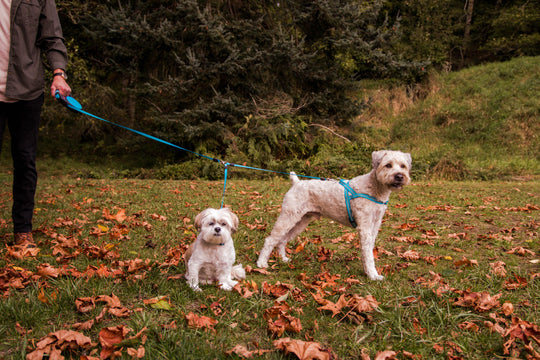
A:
{"x":398,"y":177}
{"x":217,"y":229}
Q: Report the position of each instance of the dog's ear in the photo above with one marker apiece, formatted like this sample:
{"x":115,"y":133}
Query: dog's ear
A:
{"x":409,"y":159}
{"x":234,"y":219}
{"x":199,"y":219}
{"x":376,"y":158}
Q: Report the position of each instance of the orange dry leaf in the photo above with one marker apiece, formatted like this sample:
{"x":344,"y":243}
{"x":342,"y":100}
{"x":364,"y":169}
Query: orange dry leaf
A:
{"x":85,"y":304}
{"x":325,"y":254}
{"x":363,"y":304}
{"x":120,"y":216}
{"x":386,"y":355}
{"x":136,"y":353}
{"x":525,"y":331}
{"x":46,"y":299}
{"x":515,"y":283}
{"x":158,"y":217}
{"x":466,"y":262}
{"x":469,"y":326}
{"x":200,"y":322}
{"x":507,"y":308}
{"x":410,"y":255}
{"x":63,"y":340}
{"x":335,"y":308}
{"x":109,"y":337}
{"x":46,"y":270}
{"x":87,"y":325}
{"x":419,"y":329}
{"x":498,"y":268}
{"x":243,"y":352}
{"x":479,"y":301}
{"x":112,"y":301}
{"x":279,"y":319}
{"x":277,"y":290}
{"x":246,"y":288}
{"x":304,"y":350}
{"x":19,"y":252}
{"x":520,"y":251}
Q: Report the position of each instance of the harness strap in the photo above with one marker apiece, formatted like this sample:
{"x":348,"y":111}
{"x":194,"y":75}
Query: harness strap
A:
{"x":350,"y":194}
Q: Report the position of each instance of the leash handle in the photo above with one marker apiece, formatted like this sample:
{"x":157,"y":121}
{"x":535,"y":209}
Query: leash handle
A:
{"x":67,"y":101}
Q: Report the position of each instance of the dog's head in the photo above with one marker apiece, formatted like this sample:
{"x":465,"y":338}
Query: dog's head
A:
{"x":216,"y":226}
{"x":392,"y":168}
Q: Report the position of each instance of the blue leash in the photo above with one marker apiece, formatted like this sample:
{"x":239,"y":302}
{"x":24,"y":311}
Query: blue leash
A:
{"x":350,"y":194}
{"x":74,"y":105}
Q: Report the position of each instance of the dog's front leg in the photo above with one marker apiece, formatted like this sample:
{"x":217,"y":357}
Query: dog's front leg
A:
{"x":367,"y":243}
{"x":192,"y":275}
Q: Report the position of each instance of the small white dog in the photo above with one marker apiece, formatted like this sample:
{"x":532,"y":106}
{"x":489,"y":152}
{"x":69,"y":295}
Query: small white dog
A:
{"x":359,"y":203}
{"x":211,"y":257}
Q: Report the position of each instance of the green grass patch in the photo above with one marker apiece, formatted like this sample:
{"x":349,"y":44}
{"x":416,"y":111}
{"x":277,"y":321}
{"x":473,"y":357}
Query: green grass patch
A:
{"x":438,"y":246}
{"x":478,"y":123}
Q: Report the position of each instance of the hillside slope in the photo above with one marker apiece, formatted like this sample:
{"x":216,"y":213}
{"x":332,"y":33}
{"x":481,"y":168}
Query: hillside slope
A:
{"x":482,"y":122}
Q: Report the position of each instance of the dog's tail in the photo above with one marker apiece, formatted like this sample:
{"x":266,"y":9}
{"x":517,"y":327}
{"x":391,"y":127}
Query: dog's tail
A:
{"x":238,"y":272}
{"x":293,"y":177}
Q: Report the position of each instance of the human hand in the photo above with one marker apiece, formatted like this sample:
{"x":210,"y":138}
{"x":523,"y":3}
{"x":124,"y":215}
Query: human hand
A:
{"x":60,"y":84}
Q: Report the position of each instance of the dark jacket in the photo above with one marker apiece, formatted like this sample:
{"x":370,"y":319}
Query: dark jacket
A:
{"x":35,"y":30}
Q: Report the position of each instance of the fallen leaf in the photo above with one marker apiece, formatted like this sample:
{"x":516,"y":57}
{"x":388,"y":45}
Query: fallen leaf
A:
{"x":109,"y":337}
{"x":304,"y":350}
{"x":200,"y":322}
{"x":53,"y":344}
{"x":498,"y":268}
{"x":482,"y":301}
{"x":386,"y":355}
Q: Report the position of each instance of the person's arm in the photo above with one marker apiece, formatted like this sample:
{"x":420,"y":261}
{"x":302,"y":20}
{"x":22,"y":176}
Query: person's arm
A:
{"x":51,"y":42}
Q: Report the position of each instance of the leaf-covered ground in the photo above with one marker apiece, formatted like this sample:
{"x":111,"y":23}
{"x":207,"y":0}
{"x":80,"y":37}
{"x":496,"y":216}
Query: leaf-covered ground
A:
{"x":104,"y":277}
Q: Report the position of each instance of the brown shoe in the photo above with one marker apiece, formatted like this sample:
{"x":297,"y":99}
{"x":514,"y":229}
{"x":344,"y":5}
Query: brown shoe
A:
{"x":23,"y":238}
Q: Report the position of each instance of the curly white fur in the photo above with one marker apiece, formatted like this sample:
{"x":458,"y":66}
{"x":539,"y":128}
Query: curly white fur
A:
{"x":309,"y":200}
{"x":211,"y":257}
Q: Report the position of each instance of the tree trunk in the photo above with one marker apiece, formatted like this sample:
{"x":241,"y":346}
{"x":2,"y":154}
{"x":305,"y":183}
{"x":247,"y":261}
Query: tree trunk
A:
{"x":469,"y":6}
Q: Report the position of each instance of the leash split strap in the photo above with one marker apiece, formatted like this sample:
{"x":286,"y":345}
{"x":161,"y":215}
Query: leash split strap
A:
{"x":75,"y":106}
{"x":350,"y":194}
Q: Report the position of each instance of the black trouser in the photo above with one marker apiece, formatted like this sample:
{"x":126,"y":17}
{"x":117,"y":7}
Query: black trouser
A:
{"x":23,"y":119}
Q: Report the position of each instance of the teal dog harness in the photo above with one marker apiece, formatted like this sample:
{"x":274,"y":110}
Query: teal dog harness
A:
{"x":351,"y":194}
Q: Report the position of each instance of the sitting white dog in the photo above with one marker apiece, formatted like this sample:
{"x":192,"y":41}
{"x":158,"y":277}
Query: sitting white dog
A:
{"x":211,"y":257}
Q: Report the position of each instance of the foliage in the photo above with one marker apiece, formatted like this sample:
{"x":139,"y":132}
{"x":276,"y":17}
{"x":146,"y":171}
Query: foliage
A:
{"x":192,"y":72}
{"x":254,"y":82}
{"x":434,"y":30}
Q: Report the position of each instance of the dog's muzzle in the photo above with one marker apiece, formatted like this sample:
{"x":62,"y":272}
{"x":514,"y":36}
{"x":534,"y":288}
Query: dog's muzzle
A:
{"x":217,"y":231}
{"x":399,"y":180}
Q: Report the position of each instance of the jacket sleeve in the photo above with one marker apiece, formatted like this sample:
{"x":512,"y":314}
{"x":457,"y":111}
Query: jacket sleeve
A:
{"x":50,"y":38}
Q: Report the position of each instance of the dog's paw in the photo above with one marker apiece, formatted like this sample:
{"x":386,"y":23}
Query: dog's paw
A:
{"x":195,"y":288}
{"x":285,"y":258}
{"x":262,"y":264}
{"x":376,"y":277}
{"x":228,"y":286}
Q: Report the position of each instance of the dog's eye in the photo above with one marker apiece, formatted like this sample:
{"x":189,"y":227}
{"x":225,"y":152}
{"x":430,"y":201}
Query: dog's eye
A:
{"x":389,"y":166}
{"x":224,"y":224}
{"x":211,"y":223}
{"x":403,"y":166}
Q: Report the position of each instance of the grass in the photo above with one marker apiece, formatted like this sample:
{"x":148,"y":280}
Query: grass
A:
{"x":481,"y":122}
{"x":436,"y":244}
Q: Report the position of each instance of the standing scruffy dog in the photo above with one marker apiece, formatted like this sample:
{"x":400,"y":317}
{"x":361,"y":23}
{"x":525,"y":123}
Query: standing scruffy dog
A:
{"x":211,"y":257}
{"x":360,"y":203}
